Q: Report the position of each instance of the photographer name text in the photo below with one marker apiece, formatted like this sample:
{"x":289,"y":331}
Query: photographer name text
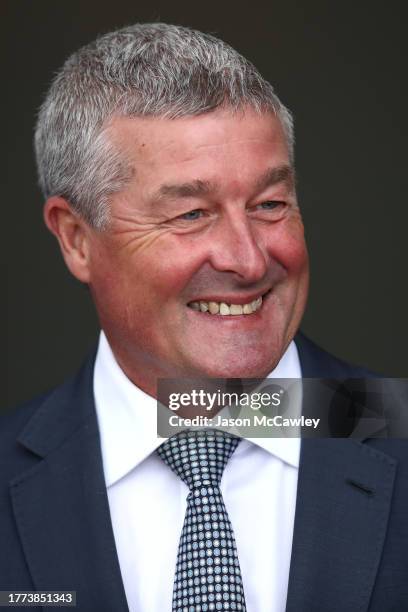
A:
{"x":255,"y":420}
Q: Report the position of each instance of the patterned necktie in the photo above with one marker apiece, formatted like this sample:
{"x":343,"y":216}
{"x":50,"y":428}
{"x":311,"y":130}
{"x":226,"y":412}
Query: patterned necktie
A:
{"x":208,"y":576}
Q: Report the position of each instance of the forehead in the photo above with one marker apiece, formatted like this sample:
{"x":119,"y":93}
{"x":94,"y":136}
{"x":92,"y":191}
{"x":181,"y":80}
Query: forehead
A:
{"x":215,"y":146}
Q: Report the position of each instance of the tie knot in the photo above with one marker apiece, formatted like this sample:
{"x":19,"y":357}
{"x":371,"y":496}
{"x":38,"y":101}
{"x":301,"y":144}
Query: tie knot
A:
{"x":199,"y":457}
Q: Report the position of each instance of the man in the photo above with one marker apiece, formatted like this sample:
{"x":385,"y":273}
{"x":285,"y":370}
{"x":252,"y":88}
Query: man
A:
{"x":167,"y":165}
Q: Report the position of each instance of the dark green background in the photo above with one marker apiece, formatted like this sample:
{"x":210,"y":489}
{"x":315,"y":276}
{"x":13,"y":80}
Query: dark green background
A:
{"x":340,"y":66}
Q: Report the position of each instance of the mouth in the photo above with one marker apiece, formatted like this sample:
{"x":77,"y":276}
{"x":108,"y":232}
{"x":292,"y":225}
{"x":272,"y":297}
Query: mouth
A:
{"x":225,"y":308}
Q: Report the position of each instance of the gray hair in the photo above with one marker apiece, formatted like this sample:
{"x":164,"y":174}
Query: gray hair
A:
{"x":143,"y":70}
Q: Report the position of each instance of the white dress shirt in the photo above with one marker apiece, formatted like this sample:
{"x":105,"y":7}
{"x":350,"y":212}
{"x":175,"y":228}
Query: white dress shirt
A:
{"x":148,"y":502}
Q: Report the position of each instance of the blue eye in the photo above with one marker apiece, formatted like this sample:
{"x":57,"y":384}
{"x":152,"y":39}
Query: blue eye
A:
{"x":270,"y":205}
{"x":192,"y":215}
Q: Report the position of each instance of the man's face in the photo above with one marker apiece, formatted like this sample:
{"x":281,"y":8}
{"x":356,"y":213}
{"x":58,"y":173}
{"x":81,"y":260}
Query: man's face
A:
{"x":210,"y":217}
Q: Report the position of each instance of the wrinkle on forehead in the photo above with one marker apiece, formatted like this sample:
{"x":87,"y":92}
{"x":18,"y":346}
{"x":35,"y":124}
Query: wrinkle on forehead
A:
{"x":136,"y":133}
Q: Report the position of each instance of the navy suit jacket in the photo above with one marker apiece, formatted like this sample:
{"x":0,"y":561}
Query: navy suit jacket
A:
{"x":350,"y":543}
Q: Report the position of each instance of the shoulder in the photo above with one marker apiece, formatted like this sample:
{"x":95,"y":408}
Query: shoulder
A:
{"x":14,"y":457}
{"x":15,"y":420}
{"x":39,"y":424}
{"x":318,"y":363}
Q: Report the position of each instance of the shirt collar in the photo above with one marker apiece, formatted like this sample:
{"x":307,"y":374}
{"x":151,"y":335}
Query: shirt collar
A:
{"x":285,"y":449}
{"x":127,"y":416}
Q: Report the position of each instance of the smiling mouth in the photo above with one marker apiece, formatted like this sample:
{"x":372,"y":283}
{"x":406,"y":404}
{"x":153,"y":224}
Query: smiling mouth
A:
{"x":225,"y":309}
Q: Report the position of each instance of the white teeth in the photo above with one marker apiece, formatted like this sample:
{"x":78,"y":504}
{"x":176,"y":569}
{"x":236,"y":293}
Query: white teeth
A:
{"x":225,"y":309}
{"x":213,"y":307}
{"x":236,"y":309}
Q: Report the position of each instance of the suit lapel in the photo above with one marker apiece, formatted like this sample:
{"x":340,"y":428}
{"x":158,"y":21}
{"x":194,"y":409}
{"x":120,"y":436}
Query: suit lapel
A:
{"x":60,"y":504}
{"x":343,"y":503}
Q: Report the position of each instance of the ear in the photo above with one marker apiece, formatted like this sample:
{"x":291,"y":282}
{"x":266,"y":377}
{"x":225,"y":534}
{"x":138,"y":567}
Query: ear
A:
{"x":72,"y":233}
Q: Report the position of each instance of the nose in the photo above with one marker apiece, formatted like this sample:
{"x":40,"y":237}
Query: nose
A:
{"x":237,"y":248}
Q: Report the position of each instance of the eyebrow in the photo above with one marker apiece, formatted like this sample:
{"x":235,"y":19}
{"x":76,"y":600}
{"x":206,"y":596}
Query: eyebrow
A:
{"x":192,"y":189}
{"x":199,"y":188}
{"x":274,"y":176}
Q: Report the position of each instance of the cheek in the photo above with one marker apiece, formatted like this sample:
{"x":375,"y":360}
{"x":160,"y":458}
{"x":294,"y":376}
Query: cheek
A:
{"x":295,"y":256}
{"x":169,"y":270}
{"x":286,"y":244}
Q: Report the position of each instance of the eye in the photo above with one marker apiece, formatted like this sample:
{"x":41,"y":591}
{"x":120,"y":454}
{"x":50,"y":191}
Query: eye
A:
{"x":269,"y":210}
{"x":270,"y":205}
{"x":192,"y":215}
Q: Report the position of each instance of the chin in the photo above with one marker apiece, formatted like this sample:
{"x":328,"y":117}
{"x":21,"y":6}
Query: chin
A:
{"x":244,"y":366}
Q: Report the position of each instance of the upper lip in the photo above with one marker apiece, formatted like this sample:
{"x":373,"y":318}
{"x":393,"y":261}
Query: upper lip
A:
{"x":232,"y":299}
